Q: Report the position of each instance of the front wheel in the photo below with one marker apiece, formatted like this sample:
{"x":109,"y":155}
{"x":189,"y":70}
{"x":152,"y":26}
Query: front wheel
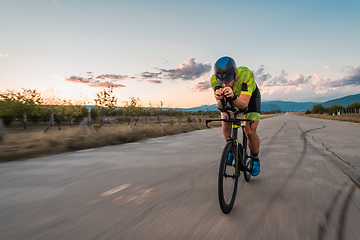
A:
{"x":228,"y":180}
{"x":246,"y":161}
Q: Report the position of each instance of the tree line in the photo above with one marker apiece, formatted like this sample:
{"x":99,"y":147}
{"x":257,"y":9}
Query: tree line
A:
{"x":31,"y":106}
{"x":334,"y":109}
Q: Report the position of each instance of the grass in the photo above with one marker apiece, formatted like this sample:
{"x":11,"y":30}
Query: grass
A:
{"x":344,"y":117}
{"x":23,"y":144}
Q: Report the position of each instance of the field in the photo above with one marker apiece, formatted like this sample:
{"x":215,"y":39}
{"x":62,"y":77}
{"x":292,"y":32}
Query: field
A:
{"x":344,"y":117}
{"x":21,"y":144}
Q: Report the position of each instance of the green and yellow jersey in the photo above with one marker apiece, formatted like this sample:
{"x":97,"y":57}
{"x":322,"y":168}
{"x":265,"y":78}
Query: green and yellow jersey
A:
{"x":244,"y":83}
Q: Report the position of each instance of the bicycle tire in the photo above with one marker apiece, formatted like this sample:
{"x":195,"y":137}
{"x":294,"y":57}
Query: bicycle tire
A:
{"x":227,"y":202}
{"x":245,"y":160}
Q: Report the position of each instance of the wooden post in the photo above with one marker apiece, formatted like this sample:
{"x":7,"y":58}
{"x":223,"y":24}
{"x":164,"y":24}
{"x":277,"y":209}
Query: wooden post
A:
{"x":51,"y":123}
{"x":130,"y":123}
{"x":59,"y":121}
{"x":136,"y":120}
{"x":2,"y":131}
{"x":24,"y":120}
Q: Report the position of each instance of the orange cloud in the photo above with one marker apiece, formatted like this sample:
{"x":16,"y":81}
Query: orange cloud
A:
{"x":202,"y":86}
{"x":154,"y":81}
{"x":112,"y":76}
{"x":96,"y":83}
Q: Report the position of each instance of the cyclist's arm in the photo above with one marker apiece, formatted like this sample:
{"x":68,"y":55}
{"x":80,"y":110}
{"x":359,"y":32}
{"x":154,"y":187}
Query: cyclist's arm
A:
{"x":242,"y":101}
{"x":218,"y":96}
{"x":244,"y":88}
{"x":219,"y":104}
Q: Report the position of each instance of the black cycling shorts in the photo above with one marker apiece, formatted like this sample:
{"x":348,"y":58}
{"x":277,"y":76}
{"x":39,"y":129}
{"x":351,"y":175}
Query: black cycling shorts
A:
{"x":255,"y":102}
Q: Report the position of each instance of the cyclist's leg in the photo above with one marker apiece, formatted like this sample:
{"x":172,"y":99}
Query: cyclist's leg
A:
{"x":253,"y":138}
{"x":226,"y":127}
{"x":253,"y":113}
{"x":254,"y":145}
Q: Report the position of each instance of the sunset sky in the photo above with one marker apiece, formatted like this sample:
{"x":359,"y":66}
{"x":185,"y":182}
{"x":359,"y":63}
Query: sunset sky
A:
{"x":163,"y":50}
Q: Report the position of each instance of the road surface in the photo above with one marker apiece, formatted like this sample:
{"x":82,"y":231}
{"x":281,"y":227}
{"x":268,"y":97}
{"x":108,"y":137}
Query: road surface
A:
{"x":166,"y":188}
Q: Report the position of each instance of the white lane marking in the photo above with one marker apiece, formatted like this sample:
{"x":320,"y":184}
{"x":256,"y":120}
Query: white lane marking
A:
{"x":115,"y":190}
{"x":85,"y":150}
{"x":138,"y":196}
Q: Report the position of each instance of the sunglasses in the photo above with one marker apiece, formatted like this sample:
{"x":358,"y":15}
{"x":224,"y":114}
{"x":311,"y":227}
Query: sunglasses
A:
{"x":225,"y":80}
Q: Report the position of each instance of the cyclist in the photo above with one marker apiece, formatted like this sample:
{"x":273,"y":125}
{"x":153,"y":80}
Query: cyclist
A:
{"x":237,"y":83}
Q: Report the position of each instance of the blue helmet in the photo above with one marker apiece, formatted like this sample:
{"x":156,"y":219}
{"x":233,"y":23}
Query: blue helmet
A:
{"x":225,"y":69}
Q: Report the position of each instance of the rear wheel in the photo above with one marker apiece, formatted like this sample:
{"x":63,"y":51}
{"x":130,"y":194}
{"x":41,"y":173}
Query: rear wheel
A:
{"x":228,"y":181}
{"x":246,"y":161}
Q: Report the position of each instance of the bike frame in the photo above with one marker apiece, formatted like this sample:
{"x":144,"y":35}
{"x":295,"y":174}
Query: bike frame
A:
{"x":236,"y":123}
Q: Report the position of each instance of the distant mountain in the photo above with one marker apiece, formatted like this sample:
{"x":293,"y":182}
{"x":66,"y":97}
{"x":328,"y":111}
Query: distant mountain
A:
{"x":265,"y":106}
{"x":344,"y":101}
{"x":289,"y":106}
{"x":269,"y":106}
{"x":201,"y":108}
{"x":286,"y":106}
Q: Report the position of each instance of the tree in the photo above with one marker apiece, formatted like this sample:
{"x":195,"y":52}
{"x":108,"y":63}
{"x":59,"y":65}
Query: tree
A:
{"x":132,"y":107}
{"x":318,"y":108}
{"x":335,"y":108}
{"x":52,"y":104}
{"x":106,"y":99}
{"x":152,"y":110}
{"x":353,"y":106}
{"x":7,"y":111}
{"x":160,"y":107}
{"x":21,"y":105}
{"x":105,"y":102}
{"x":93,"y":114}
{"x":75,"y":110}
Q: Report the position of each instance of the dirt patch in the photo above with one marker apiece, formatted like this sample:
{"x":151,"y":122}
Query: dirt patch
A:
{"x":351,"y":117}
{"x":21,"y":144}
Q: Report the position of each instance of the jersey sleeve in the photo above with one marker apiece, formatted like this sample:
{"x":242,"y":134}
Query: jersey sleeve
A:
{"x":214,"y":83}
{"x":245,"y":81}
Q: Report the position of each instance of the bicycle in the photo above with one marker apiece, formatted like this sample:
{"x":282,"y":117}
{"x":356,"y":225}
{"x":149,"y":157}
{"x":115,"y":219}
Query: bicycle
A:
{"x":240,"y":152}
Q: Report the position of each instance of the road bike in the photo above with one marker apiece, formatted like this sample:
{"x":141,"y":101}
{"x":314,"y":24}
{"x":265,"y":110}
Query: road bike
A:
{"x":230,"y":173}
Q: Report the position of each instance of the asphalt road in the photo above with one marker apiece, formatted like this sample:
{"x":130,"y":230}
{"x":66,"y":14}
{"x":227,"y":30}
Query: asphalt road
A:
{"x":166,"y":188}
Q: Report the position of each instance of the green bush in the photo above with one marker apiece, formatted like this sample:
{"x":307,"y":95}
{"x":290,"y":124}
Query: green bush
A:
{"x":318,"y":108}
{"x":97,"y":126}
{"x":93,"y":114}
{"x":189,"y":120}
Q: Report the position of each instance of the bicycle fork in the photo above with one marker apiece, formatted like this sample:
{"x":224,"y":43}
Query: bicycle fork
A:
{"x":239,"y":163}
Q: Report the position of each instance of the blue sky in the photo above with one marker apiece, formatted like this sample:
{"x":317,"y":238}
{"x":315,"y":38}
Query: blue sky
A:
{"x":165,"y":50}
